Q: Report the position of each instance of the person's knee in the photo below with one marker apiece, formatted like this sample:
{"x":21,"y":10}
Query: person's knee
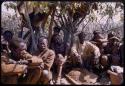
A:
{"x":47,"y":75}
{"x":104,"y":60}
{"x":45,"y":72}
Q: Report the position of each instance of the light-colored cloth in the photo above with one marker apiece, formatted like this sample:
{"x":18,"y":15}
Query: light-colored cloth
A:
{"x":87,"y":49}
{"x":48,"y":57}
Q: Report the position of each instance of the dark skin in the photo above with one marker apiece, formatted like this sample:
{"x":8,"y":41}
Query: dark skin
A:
{"x":42,"y":44}
{"x":16,"y":52}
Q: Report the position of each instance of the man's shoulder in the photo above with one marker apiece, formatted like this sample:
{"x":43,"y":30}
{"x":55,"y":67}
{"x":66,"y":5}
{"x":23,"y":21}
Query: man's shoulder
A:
{"x":88,"y":42}
{"x":51,"y":51}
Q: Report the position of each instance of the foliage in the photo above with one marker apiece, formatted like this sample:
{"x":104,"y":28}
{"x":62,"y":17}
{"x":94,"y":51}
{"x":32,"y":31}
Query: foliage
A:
{"x":69,"y":15}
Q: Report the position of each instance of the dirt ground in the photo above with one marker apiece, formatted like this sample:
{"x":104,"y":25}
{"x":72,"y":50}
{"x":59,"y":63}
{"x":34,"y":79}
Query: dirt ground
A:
{"x":103,"y":79}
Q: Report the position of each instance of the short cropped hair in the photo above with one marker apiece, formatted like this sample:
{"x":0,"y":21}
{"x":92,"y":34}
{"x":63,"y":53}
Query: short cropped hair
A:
{"x":41,"y":38}
{"x":6,"y":32}
{"x":14,"y":44}
{"x":81,"y":35}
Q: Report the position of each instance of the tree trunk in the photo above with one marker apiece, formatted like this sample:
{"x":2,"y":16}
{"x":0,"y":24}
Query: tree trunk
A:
{"x":50,"y":26}
{"x":45,"y":20}
{"x":33,"y":46}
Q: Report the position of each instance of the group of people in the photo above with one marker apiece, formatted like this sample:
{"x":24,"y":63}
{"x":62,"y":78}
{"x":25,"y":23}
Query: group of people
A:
{"x":19,"y":65}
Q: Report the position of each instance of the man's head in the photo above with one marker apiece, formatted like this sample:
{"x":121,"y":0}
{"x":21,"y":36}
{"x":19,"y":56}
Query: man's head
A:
{"x":96,"y":32}
{"x":17,"y":45}
{"x":81,"y":37}
{"x":114,"y":40}
{"x":104,"y":60}
{"x":8,"y":35}
{"x":42,"y":43}
{"x":56,"y":30}
{"x":37,"y":19}
{"x":111,"y":34}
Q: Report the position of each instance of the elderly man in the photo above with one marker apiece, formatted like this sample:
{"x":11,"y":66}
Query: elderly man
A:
{"x":11,"y":70}
{"x":47,"y":56}
{"x":20,"y":55}
{"x":88,"y":52}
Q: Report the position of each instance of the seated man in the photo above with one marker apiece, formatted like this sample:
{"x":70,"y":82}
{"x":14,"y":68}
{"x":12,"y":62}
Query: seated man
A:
{"x":47,"y":56}
{"x":11,"y":71}
{"x":18,"y":53}
{"x":57,"y":44}
{"x":112,"y":50}
{"x":86,"y":51}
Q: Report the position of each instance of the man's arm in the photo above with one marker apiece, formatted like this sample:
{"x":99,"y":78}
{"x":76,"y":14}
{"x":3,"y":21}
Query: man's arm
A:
{"x":25,"y":55}
{"x":96,"y":53}
{"x":73,"y":50}
{"x":95,"y":49}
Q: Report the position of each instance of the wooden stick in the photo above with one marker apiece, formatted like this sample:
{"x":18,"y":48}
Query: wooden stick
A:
{"x":72,"y":80}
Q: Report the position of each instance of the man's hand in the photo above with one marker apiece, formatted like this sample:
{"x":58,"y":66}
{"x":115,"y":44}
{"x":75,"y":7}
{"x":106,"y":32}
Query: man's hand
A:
{"x":22,"y":62}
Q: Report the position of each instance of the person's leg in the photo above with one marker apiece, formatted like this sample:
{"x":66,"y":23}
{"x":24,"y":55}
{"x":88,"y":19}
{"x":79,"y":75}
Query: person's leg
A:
{"x":33,"y":76}
{"x":46,"y":77}
{"x":59,"y":67}
{"x":116,"y":78}
{"x":87,"y":63}
{"x":12,"y":79}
